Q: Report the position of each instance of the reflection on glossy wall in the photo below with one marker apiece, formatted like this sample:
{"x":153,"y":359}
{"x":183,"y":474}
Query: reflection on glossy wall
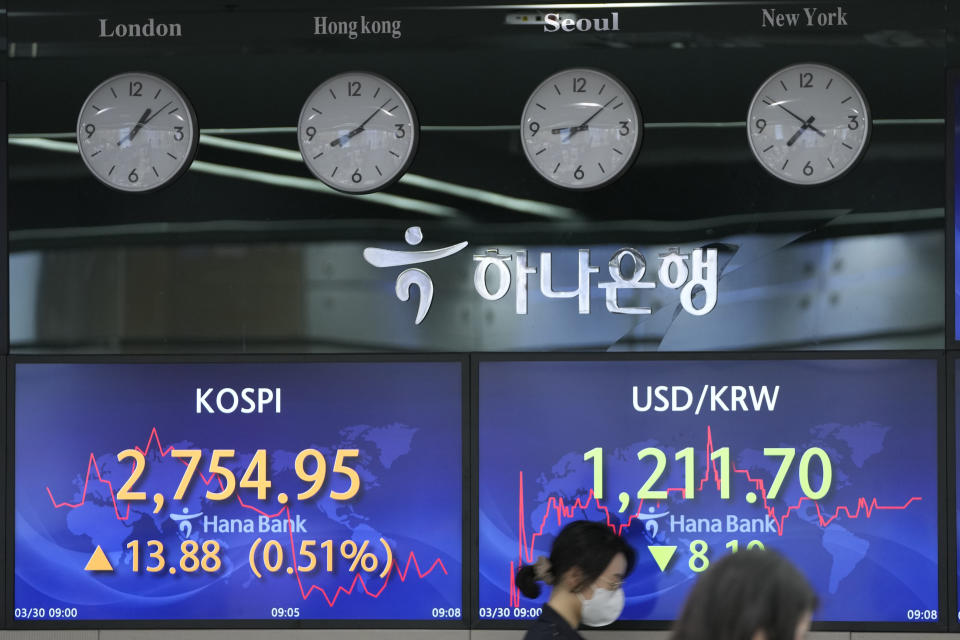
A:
{"x":774,"y":292}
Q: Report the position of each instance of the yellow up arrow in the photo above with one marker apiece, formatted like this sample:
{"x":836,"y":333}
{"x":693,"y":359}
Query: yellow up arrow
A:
{"x":98,"y":561}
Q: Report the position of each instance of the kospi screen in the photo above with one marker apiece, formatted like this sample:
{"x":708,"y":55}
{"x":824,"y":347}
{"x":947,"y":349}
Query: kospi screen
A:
{"x":832,"y":462}
{"x":296,"y":491}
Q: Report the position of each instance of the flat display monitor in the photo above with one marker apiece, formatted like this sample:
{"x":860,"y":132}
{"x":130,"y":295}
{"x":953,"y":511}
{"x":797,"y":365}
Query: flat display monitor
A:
{"x":832,"y":462}
{"x":955,"y":504}
{"x":306,"y":492}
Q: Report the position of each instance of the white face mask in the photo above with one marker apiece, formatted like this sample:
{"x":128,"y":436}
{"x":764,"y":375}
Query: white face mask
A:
{"x":603,"y":608}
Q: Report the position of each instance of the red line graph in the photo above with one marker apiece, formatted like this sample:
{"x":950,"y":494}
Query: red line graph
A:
{"x":305,"y":592}
{"x":557,"y":507}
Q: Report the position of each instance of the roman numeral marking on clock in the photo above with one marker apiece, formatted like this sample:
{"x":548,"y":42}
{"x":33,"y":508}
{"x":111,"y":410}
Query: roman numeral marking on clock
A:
{"x":600,"y":93}
{"x":379,"y":173}
{"x":394,"y":154}
{"x":830,"y":83}
{"x":831,"y":163}
{"x":111,"y":170}
{"x":155,"y":171}
{"x":377,"y":93}
{"x":157,"y":94}
{"x":536,"y":154}
{"x":846,"y":100}
{"x":96,"y":153}
{"x":601,"y":168}
{"x":768,"y":148}
{"x":846,"y":145}
{"x":541,"y":106}
{"x":557,"y":88}
{"x":784,"y":164}
{"x":171,"y":155}
{"x":174,"y":110}
{"x":317,"y":111}
{"x":114,"y":93}
{"x":333,"y":94}
{"x":556,"y":167}
{"x":318,"y":155}
{"x":617,"y":151}
{"x":784,"y":86}
{"x":618,"y":106}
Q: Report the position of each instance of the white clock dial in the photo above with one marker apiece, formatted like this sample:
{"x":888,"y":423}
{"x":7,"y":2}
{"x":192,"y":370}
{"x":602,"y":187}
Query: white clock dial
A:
{"x":358,"y":132}
{"x":808,"y":124}
{"x":137,"y":132}
{"x":581,"y":129}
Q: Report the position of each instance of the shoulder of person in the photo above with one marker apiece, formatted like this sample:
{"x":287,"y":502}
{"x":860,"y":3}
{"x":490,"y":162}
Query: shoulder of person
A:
{"x":541,"y":630}
{"x":551,"y":627}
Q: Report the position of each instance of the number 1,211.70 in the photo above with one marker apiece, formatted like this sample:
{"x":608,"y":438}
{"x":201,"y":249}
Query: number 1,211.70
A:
{"x":721,"y":460}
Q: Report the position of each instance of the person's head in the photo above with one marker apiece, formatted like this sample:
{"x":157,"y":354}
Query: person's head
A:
{"x":588,"y":560}
{"x":748,"y":595}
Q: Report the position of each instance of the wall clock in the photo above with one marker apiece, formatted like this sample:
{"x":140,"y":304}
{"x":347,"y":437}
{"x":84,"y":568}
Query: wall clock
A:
{"x":581,"y":129}
{"x":137,"y":132}
{"x":808,"y":124}
{"x":358,"y":132}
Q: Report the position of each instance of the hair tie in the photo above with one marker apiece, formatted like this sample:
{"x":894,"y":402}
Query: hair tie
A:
{"x":543,"y":570}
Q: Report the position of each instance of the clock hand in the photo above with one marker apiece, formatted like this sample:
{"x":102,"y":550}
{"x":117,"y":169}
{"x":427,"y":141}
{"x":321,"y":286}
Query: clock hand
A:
{"x":373,"y":114}
{"x":156,"y":113}
{"x":772,"y":102}
{"x":144,"y":119}
{"x":567,"y":130}
{"x":806,"y":125}
{"x":583,"y":126}
{"x":136,"y":127}
{"x":812,"y":128}
{"x":338,"y":142}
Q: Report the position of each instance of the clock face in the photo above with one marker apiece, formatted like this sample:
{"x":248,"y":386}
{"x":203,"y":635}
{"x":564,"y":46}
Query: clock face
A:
{"x":808,"y":124}
{"x":358,"y":132}
{"x":137,"y":132}
{"x":581,"y":129}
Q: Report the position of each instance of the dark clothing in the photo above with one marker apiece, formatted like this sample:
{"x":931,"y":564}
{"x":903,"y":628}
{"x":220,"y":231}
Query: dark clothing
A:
{"x":551,"y":626}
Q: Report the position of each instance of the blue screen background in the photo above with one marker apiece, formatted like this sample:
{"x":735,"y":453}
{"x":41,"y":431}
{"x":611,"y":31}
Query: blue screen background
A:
{"x":869,"y":547}
{"x":956,"y":420}
{"x":404,"y":417}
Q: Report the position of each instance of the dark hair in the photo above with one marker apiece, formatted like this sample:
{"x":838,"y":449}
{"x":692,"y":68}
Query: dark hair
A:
{"x":746,"y":592}
{"x":588,"y":546}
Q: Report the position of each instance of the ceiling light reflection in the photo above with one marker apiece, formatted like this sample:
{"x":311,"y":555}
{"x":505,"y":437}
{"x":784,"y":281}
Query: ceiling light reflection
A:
{"x":504,"y":201}
{"x":264,"y":177}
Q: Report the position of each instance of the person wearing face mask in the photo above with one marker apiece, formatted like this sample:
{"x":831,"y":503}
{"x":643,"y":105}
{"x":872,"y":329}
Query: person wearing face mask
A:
{"x":586,"y":568}
{"x":749,"y":595}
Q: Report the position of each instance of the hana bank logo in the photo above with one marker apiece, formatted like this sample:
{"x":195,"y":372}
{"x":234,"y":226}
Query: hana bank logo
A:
{"x":185,"y":527}
{"x":412,"y":277}
{"x":650,"y":521}
{"x":694,"y":275}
